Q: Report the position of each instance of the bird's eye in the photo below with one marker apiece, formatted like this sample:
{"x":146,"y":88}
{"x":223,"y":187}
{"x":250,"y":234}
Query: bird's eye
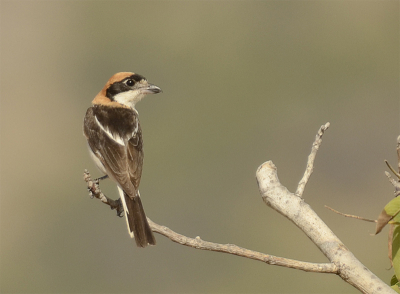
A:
{"x":130,"y":83}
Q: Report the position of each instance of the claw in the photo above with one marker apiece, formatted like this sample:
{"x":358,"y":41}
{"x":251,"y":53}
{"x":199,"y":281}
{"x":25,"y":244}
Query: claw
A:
{"x":97,"y":181}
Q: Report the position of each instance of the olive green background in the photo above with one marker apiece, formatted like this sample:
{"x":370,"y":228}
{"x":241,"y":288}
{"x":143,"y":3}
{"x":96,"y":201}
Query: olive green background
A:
{"x":244,"y":82}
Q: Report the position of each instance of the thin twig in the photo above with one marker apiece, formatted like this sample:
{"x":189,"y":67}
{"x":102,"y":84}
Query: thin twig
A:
{"x":392,"y":169}
{"x":311,"y":158}
{"x":243,"y":252}
{"x":197,"y":243}
{"x":94,"y":191}
{"x":275,"y":195}
{"x":398,"y":153}
{"x":395,"y":183}
{"x":279,"y":198}
{"x":352,"y":216}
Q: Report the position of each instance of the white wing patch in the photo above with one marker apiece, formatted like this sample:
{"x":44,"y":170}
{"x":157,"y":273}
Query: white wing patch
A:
{"x":136,"y":128}
{"x":114,"y":137}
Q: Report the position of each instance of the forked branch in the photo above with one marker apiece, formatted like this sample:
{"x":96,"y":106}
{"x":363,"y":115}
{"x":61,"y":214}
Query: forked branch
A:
{"x":198,"y":243}
{"x":341,"y":261}
{"x":310,"y":163}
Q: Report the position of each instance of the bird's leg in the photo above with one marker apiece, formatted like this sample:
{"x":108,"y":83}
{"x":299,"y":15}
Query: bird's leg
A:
{"x":95,"y":191}
{"x":97,"y":181}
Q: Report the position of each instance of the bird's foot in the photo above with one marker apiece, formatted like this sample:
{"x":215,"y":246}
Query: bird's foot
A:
{"x":97,"y":181}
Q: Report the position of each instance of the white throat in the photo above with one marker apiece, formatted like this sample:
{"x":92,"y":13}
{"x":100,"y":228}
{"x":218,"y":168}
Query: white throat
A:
{"x":129,"y":98}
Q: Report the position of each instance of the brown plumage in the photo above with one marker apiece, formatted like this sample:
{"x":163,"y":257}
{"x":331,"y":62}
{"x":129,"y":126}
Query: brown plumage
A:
{"x":114,"y":136}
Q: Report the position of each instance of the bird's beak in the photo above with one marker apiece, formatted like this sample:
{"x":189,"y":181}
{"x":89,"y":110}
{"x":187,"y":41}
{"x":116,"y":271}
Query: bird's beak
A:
{"x":151,"y":89}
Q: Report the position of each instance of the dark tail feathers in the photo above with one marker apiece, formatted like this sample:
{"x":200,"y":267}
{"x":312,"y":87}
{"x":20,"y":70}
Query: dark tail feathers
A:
{"x":138,"y":222}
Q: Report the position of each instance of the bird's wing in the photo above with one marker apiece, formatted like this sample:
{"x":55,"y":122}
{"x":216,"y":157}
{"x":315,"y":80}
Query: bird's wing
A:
{"x":135,"y":157}
{"x":115,"y":139}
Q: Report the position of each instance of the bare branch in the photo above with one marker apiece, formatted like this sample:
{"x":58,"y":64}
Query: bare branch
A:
{"x":395,"y":183}
{"x":311,"y":158}
{"x":197,"y":243}
{"x":398,"y":153}
{"x":291,"y":205}
{"x":352,"y":216}
{"x":392,"y":169}
{"x":243,"y":252}
{"x":301,"y":214}
{"x":94,"y":191}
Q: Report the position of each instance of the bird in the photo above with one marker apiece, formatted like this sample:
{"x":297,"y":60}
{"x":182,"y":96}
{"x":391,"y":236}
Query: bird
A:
{"x":114,"y":138}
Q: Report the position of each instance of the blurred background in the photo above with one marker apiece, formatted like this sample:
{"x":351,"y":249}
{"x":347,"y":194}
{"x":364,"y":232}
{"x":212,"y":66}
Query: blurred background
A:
{"x":244,"y":82}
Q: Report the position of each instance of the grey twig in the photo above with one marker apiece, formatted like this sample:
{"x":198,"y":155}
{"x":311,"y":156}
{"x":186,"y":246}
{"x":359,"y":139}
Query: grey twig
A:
{"x":311,"y":158}
{"x":352,"y":216}
{"x":204,"y":245}
{"x":94,"y":191}
{"x":395,"y":183}
{"x":398,"y":153}
{"x":341,"y":261}
{"x":243,"y":252}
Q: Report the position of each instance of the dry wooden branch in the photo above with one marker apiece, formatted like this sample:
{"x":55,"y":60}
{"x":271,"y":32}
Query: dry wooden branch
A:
{"x":352,"y":216}
{"x":310,"y":162}
{"x":301,"y":214}
{"x":395,"y":183}
{"x":291,"y":205}
{"x":204,"y":245}
{"x":398,"y":153}
{"x":243,"y":252}
{"x":94,"y":191}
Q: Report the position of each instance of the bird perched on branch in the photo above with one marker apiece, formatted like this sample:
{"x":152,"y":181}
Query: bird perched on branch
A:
{"x":112,"y":129}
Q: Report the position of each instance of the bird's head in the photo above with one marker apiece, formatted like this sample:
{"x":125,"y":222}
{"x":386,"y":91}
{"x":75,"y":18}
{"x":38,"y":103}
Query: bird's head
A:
{"x":126,"y":88}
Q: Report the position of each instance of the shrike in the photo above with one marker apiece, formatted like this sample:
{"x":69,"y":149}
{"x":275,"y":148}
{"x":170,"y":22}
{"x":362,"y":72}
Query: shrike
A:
{"x":112,"y":129}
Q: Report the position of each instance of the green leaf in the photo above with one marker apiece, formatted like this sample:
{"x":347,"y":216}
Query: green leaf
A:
{"x":396,"y":288}
{"x":393,"y":207}
{"x":396,"y":251}
{"x":394,"y":280}
{"x":391,"y":211}
{"x":396,"y":219}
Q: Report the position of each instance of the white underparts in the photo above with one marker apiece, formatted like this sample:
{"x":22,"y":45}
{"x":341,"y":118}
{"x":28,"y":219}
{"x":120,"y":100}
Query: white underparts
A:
{"x":96,"y":160}
{"x":122,"y":196}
